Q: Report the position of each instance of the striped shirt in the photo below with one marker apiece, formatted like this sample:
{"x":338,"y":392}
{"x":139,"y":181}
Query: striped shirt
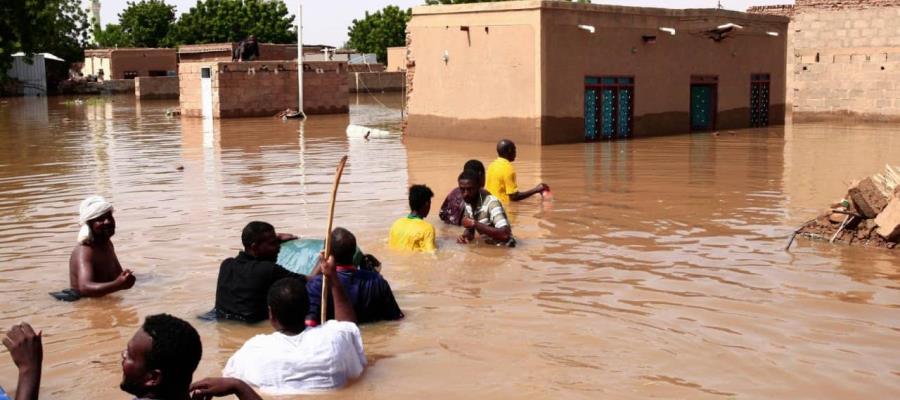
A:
{"x":489,"y":211}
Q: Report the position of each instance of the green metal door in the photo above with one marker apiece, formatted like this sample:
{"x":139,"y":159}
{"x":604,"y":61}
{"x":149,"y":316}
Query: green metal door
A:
{"x":703,"y":110}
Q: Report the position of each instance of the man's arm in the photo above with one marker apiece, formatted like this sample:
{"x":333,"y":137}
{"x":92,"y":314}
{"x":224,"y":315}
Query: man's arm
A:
{"x":499,"y":234}
{"x":219,"y":387}
{"x":86,"y":285}
{"x":519,"y":196}
{"x":343,"y":310}
{"x":27,"y":352}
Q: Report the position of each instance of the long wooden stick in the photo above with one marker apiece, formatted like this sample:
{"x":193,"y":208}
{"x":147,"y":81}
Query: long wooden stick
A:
{"x":334,"y":190}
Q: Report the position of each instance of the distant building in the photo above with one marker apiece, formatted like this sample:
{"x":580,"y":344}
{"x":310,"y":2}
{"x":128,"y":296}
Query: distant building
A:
{"x":33,"y":74}
{"x":550,"y":72}
{"x":224,"y":51}
{"x":843,"y":58}
{"x":129,"y":63}
{"x":396,"y":59}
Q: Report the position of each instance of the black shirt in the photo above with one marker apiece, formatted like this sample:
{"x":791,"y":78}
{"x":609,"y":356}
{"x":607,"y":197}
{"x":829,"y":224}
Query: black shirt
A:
{"x":244,"y":282}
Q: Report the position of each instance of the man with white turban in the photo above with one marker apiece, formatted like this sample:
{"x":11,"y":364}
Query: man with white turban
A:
{"x":94,"y":269}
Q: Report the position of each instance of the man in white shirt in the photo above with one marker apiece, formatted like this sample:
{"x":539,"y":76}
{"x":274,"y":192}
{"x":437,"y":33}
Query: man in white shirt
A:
{"x":293,"y":360}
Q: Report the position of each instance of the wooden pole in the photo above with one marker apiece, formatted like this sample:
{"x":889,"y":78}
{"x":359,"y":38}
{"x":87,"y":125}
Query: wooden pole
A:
{"x":337,"y":181}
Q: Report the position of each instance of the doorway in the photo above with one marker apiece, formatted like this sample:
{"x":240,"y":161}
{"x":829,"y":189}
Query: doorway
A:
{"x":206,"y":92}
{"x":608,"y":107}
{"x":704,"y":99}
{"x":759,"y":100}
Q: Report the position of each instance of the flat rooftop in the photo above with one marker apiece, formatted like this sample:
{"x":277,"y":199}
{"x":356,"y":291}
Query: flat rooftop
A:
{"x":587,"y":7}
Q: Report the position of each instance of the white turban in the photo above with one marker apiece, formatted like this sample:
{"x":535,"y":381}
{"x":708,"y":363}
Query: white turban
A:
{"x":92,"y":207}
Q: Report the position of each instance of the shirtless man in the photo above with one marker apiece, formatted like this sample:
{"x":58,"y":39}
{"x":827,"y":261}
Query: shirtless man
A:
{"x":94,"y":269}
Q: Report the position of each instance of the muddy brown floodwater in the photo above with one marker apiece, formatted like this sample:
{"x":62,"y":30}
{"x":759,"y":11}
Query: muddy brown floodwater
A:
{"x":657,"y":270}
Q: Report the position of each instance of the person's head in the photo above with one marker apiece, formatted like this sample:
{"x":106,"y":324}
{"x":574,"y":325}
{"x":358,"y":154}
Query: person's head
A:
{"x":469,"y":185}
{"x":420,"y":199}
{"x":161,"y":358}
{"x":477,"y":167}
{"x":261,"y":241}
{"x":285,"y":298}
{"x":251,"y":38}
{"x":506,"y":149}
{"x":95,"y":215}
{"x":343,"y":246}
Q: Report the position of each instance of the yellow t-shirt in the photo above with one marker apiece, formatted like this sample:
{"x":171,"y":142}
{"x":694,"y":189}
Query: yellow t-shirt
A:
{"x":412,"y":233}
{"x":501,"y":179}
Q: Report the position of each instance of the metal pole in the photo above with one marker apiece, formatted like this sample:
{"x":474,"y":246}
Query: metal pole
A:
{"x":300,"y":58}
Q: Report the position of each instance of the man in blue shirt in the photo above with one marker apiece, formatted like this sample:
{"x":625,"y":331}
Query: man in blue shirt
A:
{"x":368,"y":291}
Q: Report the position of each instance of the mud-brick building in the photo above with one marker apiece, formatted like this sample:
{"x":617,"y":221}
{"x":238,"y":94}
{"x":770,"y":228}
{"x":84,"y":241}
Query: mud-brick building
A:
{"x":226,"y":89}
{"x":130,"y":63}
{"x":843,"y":58}
{"x":550,"y":72}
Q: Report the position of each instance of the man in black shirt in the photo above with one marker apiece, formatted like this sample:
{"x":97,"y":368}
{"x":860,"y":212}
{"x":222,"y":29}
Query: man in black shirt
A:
{"x":244,"y":280}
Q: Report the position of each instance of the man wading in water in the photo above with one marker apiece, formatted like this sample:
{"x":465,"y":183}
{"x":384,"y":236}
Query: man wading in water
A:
{"x":94,"y":269}
{"x":483,"y":214}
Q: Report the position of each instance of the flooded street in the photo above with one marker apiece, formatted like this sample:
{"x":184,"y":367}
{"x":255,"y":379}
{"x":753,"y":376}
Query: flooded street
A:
{"x":658,"y":269}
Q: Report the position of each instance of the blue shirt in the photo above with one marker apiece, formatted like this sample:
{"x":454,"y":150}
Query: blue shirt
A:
{"x":368,"y":291}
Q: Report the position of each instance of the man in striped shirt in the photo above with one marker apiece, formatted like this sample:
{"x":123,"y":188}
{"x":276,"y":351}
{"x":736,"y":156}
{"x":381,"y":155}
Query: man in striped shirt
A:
{"x":484,"y":213}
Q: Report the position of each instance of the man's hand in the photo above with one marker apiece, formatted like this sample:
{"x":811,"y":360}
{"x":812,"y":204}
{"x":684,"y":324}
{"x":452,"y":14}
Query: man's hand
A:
{"x":284,"y":237}
{"x":328,"y":267}
{"x":126,"y":279}
{"x":218,"y":387}
{"x":468,"y":223}
{"x":462,"y":239}
{"x":25,"y":347}
{"x":27,"y":353}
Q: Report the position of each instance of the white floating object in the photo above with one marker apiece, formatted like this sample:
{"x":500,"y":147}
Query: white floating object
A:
{"x":668,"y":30}
{"x":589,"y":28}
{"x":364,"y":132}
{"x":775,"y":34}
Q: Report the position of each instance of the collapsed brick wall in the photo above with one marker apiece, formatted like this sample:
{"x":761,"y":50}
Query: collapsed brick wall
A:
{"x":784,"y":10}
{"x":410,"y":74}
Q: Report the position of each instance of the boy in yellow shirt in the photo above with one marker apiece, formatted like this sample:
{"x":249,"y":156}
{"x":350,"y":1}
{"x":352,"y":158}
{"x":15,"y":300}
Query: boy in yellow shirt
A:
{"x":501,"y":176}
{"x":413,"y":232}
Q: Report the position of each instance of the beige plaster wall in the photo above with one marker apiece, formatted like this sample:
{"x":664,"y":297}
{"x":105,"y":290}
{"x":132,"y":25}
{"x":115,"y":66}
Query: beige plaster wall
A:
{"x":489,"y":86}
{"x":396,"y":59}
{"x":662,"y":70}
{"x":141,"y":60}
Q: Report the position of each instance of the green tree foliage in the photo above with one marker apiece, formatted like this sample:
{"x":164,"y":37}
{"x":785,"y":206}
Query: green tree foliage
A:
{"x":147,"y":23}
{"x":376,"y":32}
{"x":35,"y":26}
{"x":212,"y":21}
{"x":111,"y":36}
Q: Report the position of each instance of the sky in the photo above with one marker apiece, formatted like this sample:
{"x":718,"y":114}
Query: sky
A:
{"x":326,"y":21}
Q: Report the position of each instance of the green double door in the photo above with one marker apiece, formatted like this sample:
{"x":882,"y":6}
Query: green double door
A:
{"x":703,"y":107}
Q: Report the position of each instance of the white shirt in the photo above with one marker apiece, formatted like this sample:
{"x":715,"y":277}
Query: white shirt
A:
{"x":317,"y":359}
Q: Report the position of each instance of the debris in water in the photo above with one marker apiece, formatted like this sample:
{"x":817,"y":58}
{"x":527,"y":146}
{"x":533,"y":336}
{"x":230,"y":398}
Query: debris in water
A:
{"x":868,"y":216}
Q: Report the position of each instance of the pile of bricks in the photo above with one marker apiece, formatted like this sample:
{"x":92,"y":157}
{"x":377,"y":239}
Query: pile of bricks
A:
{"x":868,"y":216}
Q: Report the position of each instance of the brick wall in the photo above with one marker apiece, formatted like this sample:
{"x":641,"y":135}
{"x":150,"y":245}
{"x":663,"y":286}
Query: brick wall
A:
{"x":376,"y":81}
{"x":844,"y":4}
{"x":845,"y":60}
{"x":264,"y":88}
{"x":162,"y":87}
